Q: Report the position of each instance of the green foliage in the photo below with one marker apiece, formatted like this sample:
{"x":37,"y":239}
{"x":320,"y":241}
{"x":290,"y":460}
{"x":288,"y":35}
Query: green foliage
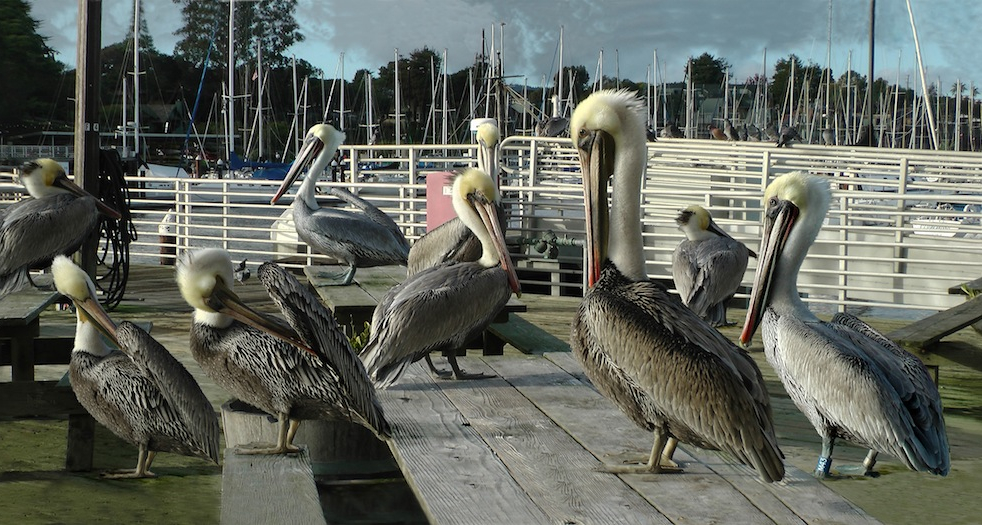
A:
{"x":31,"y":77}
{"x":359,"y":340}
{"x":708,"y":70}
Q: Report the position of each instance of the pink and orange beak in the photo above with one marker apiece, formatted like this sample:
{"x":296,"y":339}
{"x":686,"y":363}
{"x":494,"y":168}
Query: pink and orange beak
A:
{"x":596,"y":149}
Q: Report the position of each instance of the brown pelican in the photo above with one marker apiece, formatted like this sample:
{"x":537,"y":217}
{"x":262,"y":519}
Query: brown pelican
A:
{"x":708,"y":265}
{"x":850,"y":381}
{"x":55,"y":221}
{"x":445,"y":306}
{"x":366,"y":238}
{"x":666,"y":368}
{"x":142,"y":394}
{"x":452,"y":240}
{"x":307,"y":372}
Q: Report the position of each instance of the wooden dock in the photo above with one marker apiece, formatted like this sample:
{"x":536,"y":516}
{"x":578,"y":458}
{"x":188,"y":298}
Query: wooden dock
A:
{"x":534,"y":437}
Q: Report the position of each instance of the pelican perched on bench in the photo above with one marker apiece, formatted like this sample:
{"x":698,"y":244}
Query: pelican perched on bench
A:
{"x":362,"y":238}
{"x":445,"y":306}
{"x":849,"y":380}
{"x":303,"y":371}
{"x":54,"y":222}
{"x":142,"y":394}
{"x":665,"y":367}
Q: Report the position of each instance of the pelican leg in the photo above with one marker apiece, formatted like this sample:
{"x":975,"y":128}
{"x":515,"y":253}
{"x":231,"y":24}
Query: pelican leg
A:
{"x":460,"y":374}
{"x":666,"y":456}
{"x":656,"y":460}
{"x":866,"y":469}
{"x":436,"y":371}
{"x":825,"y":460}
{"x":287,"y":429}
{"x":143,"y":460}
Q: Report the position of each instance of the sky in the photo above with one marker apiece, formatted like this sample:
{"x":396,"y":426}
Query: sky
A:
{"x":739,"y":31}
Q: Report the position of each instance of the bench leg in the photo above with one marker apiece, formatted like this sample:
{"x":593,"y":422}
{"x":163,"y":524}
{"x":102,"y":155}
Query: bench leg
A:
{"x":81,"y":442}
{"x":493,"y":345}
{"x":22,"y":352}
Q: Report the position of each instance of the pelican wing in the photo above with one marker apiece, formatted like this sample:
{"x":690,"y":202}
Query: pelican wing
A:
{"x":376,"y":215}
{"x":35,"y":230}
{"x":320,"y":330}
{"x":175,"y":384}
{"x":450,"y":241}
{"x":336,"y":231}
{"x":912,"y":382}
{"x":440,"y":307}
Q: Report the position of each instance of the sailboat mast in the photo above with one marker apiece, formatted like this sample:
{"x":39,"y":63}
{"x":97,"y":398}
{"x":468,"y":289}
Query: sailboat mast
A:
{"x":341,"y":113}
{"x":136,"y":78}
{"x":230,"y":107}
{"x":398,"y":114}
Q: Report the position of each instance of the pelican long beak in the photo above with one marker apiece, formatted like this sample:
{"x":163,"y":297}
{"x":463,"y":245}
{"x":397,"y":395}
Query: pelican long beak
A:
{"x":596,"y":149}
{"x":778,"y":223}
{"x":489,"y":216}
{"x":67,"y":184}
{"x":91,"y":310}
{"x":487,"y":159}
{"x":722,"y":233}
{"x":312,"y":146}
{"x":225,"y":301}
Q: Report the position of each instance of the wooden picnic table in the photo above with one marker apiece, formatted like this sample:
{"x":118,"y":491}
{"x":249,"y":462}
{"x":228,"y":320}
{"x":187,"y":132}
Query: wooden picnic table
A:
{"x":528,"y":446}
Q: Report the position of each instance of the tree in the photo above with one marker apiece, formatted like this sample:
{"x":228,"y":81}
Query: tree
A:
{"x":32,"y":80}
{"x":268,"y":25}
{"x":708,"y":70}
{"x":809,"y":75}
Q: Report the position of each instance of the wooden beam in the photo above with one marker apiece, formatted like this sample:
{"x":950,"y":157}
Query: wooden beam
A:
{"x":87,"y":75}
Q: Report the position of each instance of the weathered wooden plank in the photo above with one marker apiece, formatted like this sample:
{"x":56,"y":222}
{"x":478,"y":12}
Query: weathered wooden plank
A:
{"x":455,"y":475}
{"x":527,"y":337}
{"x":698,"y":495}
{"x":81,"y":442}
{"x":557,"y":472}
{"x":262,"y":489}
{"x":799,"y":493}
{"x":974,"y":286}
{"x":21,"y":308}
{"x":37,"y":398}
{"x":931,"y":329}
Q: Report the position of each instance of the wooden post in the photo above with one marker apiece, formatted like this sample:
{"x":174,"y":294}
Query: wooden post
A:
{"x":87,"y":73}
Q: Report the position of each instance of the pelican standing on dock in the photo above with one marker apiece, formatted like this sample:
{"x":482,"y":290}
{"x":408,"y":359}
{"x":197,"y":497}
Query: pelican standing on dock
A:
{"x":850,"y":381}
{"x":443,"y":307}
{"x":452,"y":240}
{"x":666,"y":368}
{"x":142,"y":394}
{"x":362,"y":238}
{"x":308,"y":371}
{"x":54,"y":222}
{"x":708,"y":265}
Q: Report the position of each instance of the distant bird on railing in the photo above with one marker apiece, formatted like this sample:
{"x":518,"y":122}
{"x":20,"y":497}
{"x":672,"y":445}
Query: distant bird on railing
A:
{"x":849,"y":380}
{"x":788,"y":133}
{"x":730,"y":131}
{"x":241,"y":272}
{"x":671,"y":130}
{"x":664,"y":367}
{"x":306,"y":370}
{"x":716,"y":133}
{"x":142,"y":394}
{"x":362,"y":238}
{"x":828,"y":137}
{"x":443,"y":307}
{"x":772,"y":133}
{"x":708,"y":265}
{"x":54,"y":222}
{"x":743,"y":133}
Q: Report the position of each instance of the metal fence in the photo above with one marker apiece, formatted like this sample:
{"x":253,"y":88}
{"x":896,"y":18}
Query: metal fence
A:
{"x":904,"y":224}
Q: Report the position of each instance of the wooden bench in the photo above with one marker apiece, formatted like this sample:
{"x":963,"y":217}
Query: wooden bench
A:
{"x":353,"y":305}
{"x":922,"y":334}
{"x":260,"y":489}
{"x":528,"y":446}
{"x":527,"y":337}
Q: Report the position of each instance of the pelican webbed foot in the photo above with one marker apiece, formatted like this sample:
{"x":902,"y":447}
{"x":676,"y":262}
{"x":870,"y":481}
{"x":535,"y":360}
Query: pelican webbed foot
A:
{"x":143,"y":460}
{"x":337,"y":279}
{"x":269,"y":449}
{"x":459,"y":373}
{"x":866,"y":469}
{"x":659,"y":461}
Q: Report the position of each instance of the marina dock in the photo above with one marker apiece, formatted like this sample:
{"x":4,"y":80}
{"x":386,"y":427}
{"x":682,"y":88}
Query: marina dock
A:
{"x":538,"y":424}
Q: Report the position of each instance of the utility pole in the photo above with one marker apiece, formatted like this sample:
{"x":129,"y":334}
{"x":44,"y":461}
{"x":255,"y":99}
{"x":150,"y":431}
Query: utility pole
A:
{"x":87,"y":113}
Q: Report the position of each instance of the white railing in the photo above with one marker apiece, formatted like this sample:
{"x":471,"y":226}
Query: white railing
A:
{"x":904,"y":224}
